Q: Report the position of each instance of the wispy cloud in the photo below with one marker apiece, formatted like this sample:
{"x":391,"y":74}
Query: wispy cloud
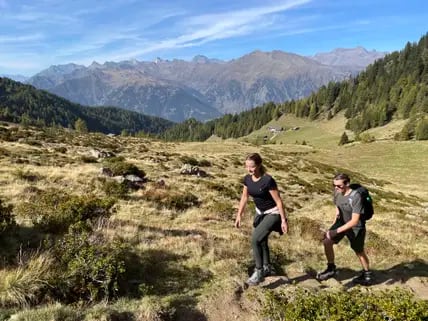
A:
{"x":212,"y":27}
{"x":20,"y":39}
{"x":47,"y":32}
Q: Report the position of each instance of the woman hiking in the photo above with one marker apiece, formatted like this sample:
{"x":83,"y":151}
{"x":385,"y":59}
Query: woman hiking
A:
{"x":270,"y":214}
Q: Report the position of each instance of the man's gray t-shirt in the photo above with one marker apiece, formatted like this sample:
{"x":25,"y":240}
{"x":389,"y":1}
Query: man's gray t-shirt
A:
{"x":347,"y":205}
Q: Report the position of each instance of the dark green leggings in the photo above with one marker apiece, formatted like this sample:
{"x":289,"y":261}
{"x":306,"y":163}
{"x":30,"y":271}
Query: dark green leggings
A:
{"x":260,"y":239}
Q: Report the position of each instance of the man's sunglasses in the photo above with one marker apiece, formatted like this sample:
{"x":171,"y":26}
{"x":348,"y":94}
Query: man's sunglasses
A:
{"x":339,"y":186}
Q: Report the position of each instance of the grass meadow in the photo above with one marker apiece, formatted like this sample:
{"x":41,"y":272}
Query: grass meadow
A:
{"x":182,"y":258}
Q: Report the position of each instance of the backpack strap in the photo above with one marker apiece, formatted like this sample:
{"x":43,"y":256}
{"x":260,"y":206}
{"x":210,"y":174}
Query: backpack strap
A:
{"x":353,"y":192}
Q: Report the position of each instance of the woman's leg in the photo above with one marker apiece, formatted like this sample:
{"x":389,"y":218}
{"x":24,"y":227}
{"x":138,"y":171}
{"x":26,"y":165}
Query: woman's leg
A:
{"x":265,"y":251}
{"x":259,"y":240}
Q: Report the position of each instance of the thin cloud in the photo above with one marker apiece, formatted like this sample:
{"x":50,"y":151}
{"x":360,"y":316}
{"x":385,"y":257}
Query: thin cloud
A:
{"x":20,"y":39}
{"x":218,"y":26}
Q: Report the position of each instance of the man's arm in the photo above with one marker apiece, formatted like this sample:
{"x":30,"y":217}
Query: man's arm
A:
{"x":353,"y":222}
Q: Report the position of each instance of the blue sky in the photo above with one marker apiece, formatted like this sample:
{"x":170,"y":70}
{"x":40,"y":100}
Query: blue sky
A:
{"x":35,"y":34}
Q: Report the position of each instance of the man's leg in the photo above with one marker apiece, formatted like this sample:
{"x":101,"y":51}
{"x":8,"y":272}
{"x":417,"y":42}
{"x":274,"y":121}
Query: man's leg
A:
{"x":328,"y":250}
{"x":357,"y":244}
{"x":329,"y":253}
{"x":364,"y":260}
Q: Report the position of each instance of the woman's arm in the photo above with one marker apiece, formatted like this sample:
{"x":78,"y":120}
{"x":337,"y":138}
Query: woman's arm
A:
{"x":278,"y":201}
{"x":242,"y":204}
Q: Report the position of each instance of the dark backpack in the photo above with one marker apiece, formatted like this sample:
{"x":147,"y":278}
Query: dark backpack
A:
{"x":366,"y":199}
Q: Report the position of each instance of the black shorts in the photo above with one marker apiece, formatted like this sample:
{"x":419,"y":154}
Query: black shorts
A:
{"x":355,"y":237}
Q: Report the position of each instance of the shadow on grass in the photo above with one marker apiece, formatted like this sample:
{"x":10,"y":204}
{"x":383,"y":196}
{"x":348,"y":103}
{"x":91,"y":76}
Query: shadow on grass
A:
{"x":17,"y":241}
{"x":159,"y":272}
{"x":185,"y":309}
{"x":173,"y":232}
{"x":397,"y":274}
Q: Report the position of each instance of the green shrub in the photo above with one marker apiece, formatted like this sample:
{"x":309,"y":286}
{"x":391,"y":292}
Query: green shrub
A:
{"x":226,"y":191}
{"x":89,"y":267}
{"x":171,"y":200}
{"x":204,"y":163}
{"x":27,"y":175}
{"x":421,"y":131}
{"x":32,"y":142}
{"x":189,"y":160}
{"x":355,"y":304}
{"x":180,"y":202}
{"x":115,"y":189}
{"x":54,"y":211}
{"x":366,"y":138}
{"x":122,"y":168}
{"x":60,"y":149}
{"x":88,"y":159}
{"x":223,"y":210}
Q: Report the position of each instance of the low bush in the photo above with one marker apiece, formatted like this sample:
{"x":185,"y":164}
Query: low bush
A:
{"x":355,"y":304}
{"x":115,"y":189}
{"x":61,"y":149}
{"x":189,"y":160}
{"x":89,"y":268}
{"x":54,"y":211}
{"x":171,"y":200}
{"x":27,"y":175}
{"x":365,"y":138}
{"x":224,"y":190}
{"x":88,"y":159}
{"x":122,"y":168}
{"x":180,"y":202}
{"x":223,"y":210}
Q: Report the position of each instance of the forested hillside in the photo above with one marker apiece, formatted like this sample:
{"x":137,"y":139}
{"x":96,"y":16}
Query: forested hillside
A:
{"x":227,"y":126}
{"x":24,"y":104}
{"x":395,"y":87}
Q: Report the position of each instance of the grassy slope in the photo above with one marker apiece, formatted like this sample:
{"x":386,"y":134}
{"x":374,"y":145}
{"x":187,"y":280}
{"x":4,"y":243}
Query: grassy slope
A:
{"x":194,"y":261}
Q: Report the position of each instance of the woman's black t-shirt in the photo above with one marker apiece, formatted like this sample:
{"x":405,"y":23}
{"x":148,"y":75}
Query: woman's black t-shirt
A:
{"x":260,"y":191}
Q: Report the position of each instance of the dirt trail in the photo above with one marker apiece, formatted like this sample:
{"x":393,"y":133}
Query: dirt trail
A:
{"x":412,"y":276}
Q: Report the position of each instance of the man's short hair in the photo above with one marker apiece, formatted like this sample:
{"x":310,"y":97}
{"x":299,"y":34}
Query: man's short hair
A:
{"x":343,"y":177}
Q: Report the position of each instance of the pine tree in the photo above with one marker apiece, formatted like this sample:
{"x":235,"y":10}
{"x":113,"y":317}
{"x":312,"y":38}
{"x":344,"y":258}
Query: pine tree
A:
{"x":421,"y":131}
{"x":343,"y":139}
{"x":80,"y":126}
{"x":406,"y":132}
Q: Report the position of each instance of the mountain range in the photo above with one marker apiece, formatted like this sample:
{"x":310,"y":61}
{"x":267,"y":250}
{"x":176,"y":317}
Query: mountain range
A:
{"x":202,"y":88}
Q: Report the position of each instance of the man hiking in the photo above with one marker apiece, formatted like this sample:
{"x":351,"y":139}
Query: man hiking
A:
{"x":349,"y":222}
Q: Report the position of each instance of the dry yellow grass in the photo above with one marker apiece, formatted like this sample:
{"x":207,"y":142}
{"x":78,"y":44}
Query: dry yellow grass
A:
{"x":197,"y":252}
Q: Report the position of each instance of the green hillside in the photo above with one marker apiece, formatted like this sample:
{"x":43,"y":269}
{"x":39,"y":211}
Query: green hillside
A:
{"x":21,"y":103}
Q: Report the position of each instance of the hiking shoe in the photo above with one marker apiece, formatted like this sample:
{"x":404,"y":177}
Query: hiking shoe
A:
{"x":256,"y":277}
{"x":328,"y":273}
{"x":365,"y":278}
{"x":268,"y":270}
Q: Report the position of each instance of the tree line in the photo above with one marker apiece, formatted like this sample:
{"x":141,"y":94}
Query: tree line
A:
{"x":25,"y":104}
